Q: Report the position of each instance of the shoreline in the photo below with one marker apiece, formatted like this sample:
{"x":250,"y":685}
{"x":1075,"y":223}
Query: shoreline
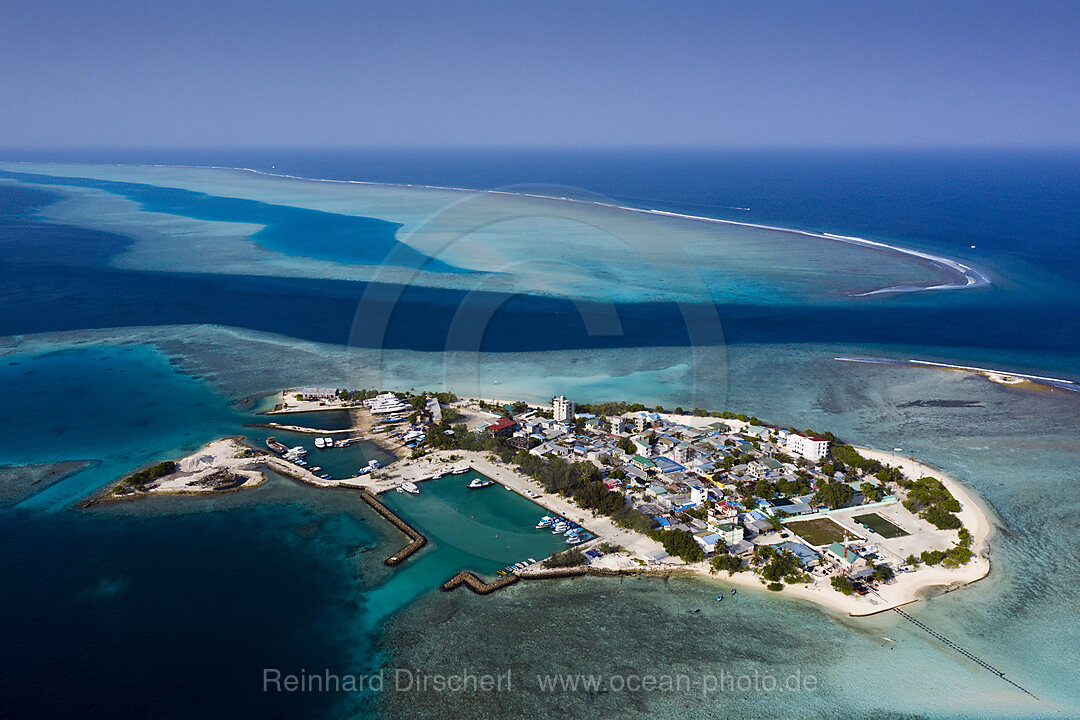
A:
{"x":905,"y":589}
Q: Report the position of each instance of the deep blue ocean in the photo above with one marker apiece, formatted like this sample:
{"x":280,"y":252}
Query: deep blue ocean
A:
{"x":1020,"y":211}
{"x":166,"y":610}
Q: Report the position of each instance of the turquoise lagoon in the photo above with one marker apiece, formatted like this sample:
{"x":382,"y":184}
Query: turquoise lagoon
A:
{"x":478,"y":529}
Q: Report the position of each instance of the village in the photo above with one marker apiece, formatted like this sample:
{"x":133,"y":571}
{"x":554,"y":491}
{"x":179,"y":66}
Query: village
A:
{"x":713,"y":493}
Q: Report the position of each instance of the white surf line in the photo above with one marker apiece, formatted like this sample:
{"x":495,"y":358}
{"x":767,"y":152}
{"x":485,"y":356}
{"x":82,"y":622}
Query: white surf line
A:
{"x":871,"y":361}
{"x":995,"y":372}
{"x":949,"y":366}
{"x":973,"y":278}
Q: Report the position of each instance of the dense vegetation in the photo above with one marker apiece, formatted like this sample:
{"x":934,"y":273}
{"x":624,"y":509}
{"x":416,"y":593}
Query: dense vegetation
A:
{"x":138,"y":480}
{"x":834,"y":494}
{"x":883,"y":573}
{"x":933,"y":502}
{"x":610,"y":409}
{"x":680,"y":544}
{"x":728,"y":562}
{"x":843,"y":584}
{"x":953,"y":557}
{"x":568,"y":558}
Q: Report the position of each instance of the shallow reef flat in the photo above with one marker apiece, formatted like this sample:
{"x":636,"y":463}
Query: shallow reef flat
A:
{"x":541,"y":241}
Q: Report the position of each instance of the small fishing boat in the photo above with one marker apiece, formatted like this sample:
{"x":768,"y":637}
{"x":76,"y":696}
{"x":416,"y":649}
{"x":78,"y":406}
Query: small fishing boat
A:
{"x":409,"y":487}
{"x":480,"y":483}
{"x":719,"y":597}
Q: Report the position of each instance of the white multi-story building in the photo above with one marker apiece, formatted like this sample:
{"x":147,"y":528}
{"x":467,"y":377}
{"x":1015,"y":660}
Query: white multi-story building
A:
{"x":564,"y":409}
{"x":813,"y":449}
{"x":617,"y":425}
{"x":642,"y":422}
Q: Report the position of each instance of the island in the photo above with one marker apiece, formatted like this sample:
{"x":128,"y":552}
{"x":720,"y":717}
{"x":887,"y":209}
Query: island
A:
{"x":639,"y":490}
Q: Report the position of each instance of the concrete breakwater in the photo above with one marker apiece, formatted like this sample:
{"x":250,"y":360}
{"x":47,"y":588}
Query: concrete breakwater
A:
{"x":477,"y":585}
{"x":418,"y":540}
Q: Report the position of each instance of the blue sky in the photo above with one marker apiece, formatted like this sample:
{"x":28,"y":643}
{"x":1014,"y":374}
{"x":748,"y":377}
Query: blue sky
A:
{"x":101,"y":72}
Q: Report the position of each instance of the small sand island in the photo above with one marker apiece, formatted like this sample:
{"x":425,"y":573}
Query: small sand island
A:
{"x":220,"y":466}
{"x":642,"y":491}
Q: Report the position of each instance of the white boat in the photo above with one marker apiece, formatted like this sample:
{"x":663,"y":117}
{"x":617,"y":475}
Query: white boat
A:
{"x":328,"y":442}
{"x":460,"y":470}
{"x":409,"y":487}
{"x":574,"y":540}
{"x":320,"y":443}
{"x":480,"y":483}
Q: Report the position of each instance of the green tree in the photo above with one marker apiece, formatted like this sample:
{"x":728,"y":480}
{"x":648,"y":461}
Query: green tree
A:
{"x":842,"y":584}
{"x":731,"y":563}
{"x":681,"y":544}
{"x":764,"y":489}
{"x":568,"y":558}
{"x":834,"y":494}
{"x":883,"y":573}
